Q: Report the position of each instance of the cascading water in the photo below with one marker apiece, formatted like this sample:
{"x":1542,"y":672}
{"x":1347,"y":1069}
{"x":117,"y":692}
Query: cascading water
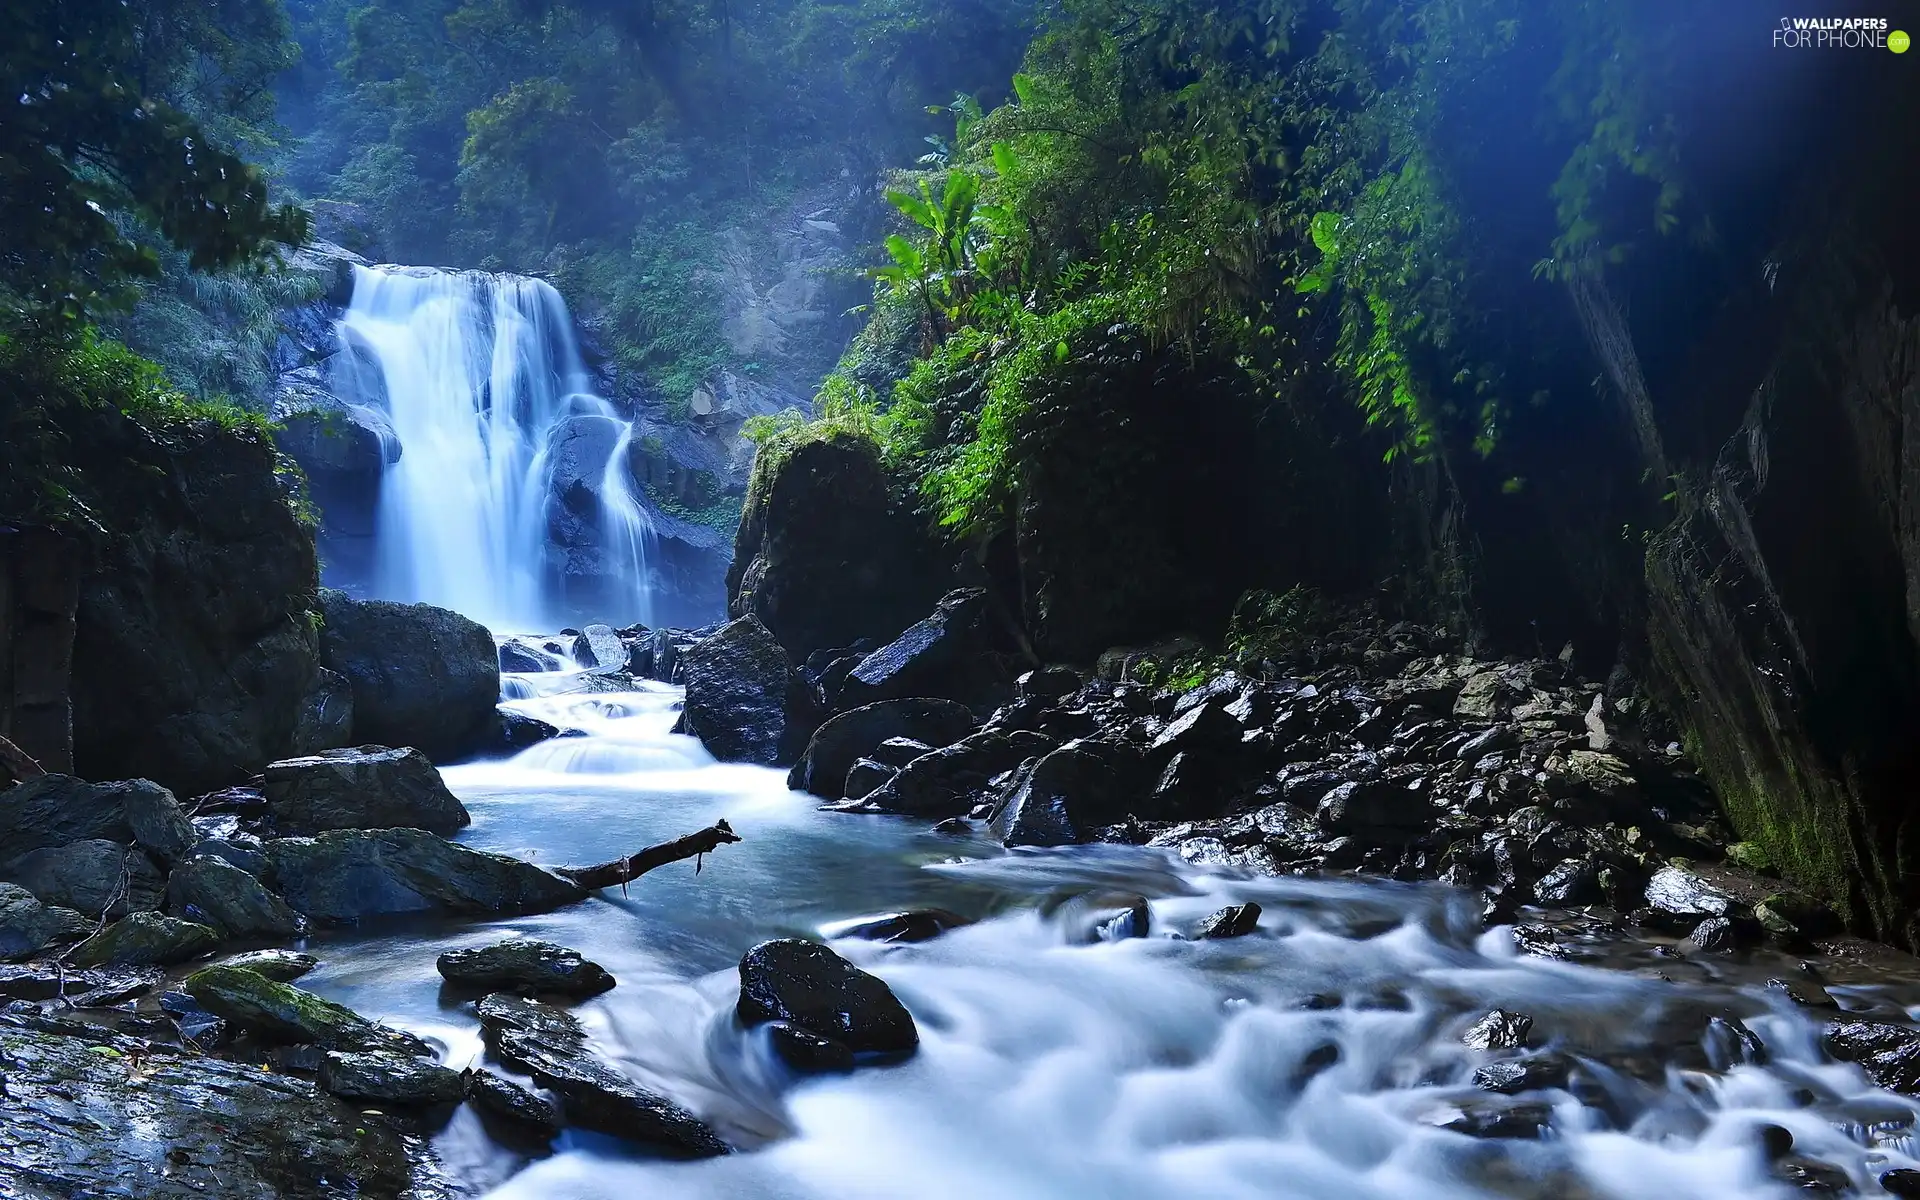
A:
{"x":482,"y":379}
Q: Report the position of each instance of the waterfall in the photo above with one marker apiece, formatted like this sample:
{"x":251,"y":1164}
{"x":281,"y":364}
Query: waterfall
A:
{"x":482,"y":379}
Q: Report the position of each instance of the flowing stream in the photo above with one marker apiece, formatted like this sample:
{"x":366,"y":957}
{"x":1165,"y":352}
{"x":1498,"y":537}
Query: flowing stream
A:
{"x":1316,"y":1058}
{"x":482,"y":379}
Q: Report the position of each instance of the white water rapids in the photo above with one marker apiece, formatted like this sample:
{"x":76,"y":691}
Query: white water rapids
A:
{"x":1313,"y":1059}
{"x":481,"y":377}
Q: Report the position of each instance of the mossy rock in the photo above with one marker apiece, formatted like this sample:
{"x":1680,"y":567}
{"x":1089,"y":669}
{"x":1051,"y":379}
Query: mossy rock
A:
{"x":290,"y":1014}
{"x":1751,"y":856}
{"x":147,"y":939}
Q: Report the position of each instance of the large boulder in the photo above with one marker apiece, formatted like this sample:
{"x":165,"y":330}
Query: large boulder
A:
{"x":52,"y":810}
{"x":744,"y":699}
{"x":350,"y":874}
{"x":853,"y":735}
{"x":421,"y":676}
{"x":206,"y":1127}
{"x":285,"y":1013}
{"x":368,"y":787}
{"x":194,"y":648}
{"x":947,"y":782}
{"x":826,"y":552}
{"x":1069,"y":793}
{"x":810,"y":988}
{"x":27,"y":926}
{"x":214,"y":892}
{"x":382,"y":1077}
{"x":948,"y":653}
{"x":146,"y":939}
{"x":93,"y":876}
{"x":525,"y":966}
{"x":549,"y":1044}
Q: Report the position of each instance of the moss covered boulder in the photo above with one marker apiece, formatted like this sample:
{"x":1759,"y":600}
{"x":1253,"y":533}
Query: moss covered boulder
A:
{"x":146,"y":939}
{"x":286,"y":1013}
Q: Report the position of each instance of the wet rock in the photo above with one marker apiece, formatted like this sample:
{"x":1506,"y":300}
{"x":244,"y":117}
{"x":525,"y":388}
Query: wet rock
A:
{"x":1501,"y":1120}
{"x":525,"y":660}
{"x":243,"y":850}
{"x":945,"y":654}
{"x":1713,"y":936}
{"x":1203,"y":729}
{"x":1515,"y":1075}
{"x":514,"y":732}
{"x":898,"y":752}
{"x":350,"y":874}
{"x":385,"y":1078}
{"x":281,"y":966}
{"x":421,"y":676}
{"x":27,"y":926}
{"x":207,"y":1127}
{"x":1375,"y":810}
{"x":91,"y":877}
{"x":1070,"y":792}
{"x":1807,"y":993}
{"x":1903,"y":1182}
{"x":1679,"y":891}
{"x":367,"y":787}
{"x":811,"y":988}
{"x":866,"y":777}
{"x":1573,"y":882}
{"x":1047,"y":683}
{"x":1487,"y":696}
{"x":54,"y":810}
{"x":858,"y":732}
{"x":1590,"y":773}
{"x":1795,"y":916}
{"x":1499,"y":1030}
{"x":1812,"y":1175}
{"x":599,"y":649}
{"x":525,"y":967}
{"x":744,"y":700}
{"x":805,"y":1051}
{"x":548,"y":1044}
{"x":51,"y":981}
{"x":1890,"y":1054}
{"x":146,"y":939}
{"x":1135,"y":921}
{"x":945,"y":782}
{"x":285,"y":1013}
{"x":526,"y":1111}
{"x":917,"y":926}
{"x":1235,"y":920}
{"x":954,"y":826}
{"x":214,"y":892}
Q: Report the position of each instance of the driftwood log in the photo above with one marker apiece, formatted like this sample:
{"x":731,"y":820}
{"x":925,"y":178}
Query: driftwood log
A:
{"x":623,"y":871}
{"x":15,"y":762}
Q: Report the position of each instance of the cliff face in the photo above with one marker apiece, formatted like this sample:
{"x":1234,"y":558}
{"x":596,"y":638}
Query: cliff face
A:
{"x":195,"y":649}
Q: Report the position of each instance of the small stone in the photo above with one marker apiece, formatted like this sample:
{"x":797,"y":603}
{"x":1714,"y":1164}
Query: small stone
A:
{"x":1806,"y":993}
{"x":1714,"y":935}
{"x":389,"y":1078}
{"x":281,"y":966}
{"x":1812,"y":1175}
{"x":917,"y":926}
{"x":1499,"y":1030}
{"x":1676,"y":890}
{"x":1503,"y":1120}
{"x":1133,"y":923}
{"x":954,"y":826}
{"x":1236,"y":920}
{"x":525,"y":966}
{"x":498,"y":1097}
{"x":1513,"y":1076}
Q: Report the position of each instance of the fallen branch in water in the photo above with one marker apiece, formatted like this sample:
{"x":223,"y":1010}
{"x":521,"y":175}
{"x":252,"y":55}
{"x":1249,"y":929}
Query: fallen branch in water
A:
{"x":17,"y":762}
{"x":623,"y":871}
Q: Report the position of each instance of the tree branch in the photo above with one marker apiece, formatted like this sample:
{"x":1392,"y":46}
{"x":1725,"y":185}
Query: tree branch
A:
{"x":623,"y":871}
{"x":18,"y":763}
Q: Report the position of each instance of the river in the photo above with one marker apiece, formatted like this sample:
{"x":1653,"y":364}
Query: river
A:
{"x":1316,"y":1058}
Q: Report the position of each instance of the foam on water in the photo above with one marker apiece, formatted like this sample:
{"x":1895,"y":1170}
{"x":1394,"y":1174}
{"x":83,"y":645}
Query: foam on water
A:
{"x":1313,"y":1059}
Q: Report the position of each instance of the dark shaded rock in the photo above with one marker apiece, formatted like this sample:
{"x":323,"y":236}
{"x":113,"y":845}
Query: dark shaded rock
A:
{"x":944,"y":654}
{"x":1376,"y":810}
{"x":1499,"y":1030}
{"x":1574,"y":881}
{"x":811,"y":988}
{"x":194,"y":652}
{"x":1048,"y":683}
{"x":91,"y":877}
{"x":1794,"y":916}
{"x":1501,"y":1120}
{"x":945,"y":782}
{"x":1531,"y":1073}
{"x":917,"y":926}
{"x":367,"y":787}
{"x":1678,"y":891}
{"x":525,"y":967}
{"x":517,"y":731}
{"x":386,"y":1078}
{"x":1903,"y":1182}
{"x":288,"y":1014}
{"x":1136,"y":921}
{"x":1713,"y":935}
{"x":215,"y":892}
{"x":281,"y":966}
{"x":28,"y":927}
{"x":49,"y":981}
{"x":548,"y":1044}
{"x":744,"y":699}
{"x":1203,"y":728}
{"x":421,"y":676}
{"x":1812,"y":1175}
{"x":507,"y":1101}
{"x":1236,"y":920}
{"x":804,"y":1051}
{"x":326,"y":714}
{"x":525,"y":660}
{"x":1070,"y":792}
{"x":1890,"y":1054}
{"x":867,"y":776}
{"x":207,"y":1127}
{"x":1807,"y":992}
{"x":898,"y":752}
{"x":350,"y":874}
{"x":243,"y":850}
{"x":856,"y":733}
{"x":146,"y":939}
{"x":826,"y":553}
{"x":53,"y":810}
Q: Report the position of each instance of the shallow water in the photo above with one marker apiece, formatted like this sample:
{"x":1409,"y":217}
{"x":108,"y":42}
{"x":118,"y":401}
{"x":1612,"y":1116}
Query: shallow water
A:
{"x":1313,"y":1059}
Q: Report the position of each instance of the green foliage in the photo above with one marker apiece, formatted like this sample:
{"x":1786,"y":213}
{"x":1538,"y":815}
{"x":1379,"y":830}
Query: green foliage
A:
{"x":92,"y":138}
